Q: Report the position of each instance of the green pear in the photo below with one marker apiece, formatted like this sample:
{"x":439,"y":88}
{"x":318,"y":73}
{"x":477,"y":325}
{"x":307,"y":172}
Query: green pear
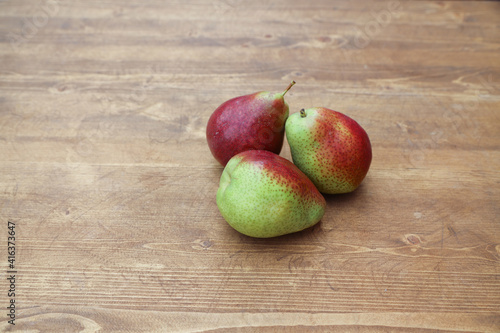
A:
{"x":264,"y":195}
{"x":332,"y":149}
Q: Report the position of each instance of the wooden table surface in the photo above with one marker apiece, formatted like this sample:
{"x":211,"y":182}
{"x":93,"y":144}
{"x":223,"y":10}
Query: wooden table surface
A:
{"x":108,"y":181}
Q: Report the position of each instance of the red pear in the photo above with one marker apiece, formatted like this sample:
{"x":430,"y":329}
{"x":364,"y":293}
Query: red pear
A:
{"x":250,"y":122}
{"x":332,"y":149}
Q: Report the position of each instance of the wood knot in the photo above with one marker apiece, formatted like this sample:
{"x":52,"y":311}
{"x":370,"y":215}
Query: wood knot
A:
{"x":412,"y":239}
{"x":206,"y":244}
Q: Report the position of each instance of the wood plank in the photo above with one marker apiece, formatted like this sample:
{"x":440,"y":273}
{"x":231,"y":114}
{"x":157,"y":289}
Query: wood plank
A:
{"x":105,"y":170}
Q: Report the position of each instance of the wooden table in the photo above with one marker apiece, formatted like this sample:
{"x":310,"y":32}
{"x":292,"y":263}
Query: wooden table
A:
{"x":108,"y":181}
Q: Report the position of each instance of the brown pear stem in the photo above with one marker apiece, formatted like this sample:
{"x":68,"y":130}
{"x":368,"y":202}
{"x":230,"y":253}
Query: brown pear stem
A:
{"x":288,"y":88}
{"x":303,"y":113}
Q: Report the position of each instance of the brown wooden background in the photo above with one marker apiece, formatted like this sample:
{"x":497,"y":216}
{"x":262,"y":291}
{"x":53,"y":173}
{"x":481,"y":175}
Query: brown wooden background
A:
{"x":105,"y":169}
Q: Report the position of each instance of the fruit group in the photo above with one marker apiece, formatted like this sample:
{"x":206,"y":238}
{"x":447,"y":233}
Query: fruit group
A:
{"x":264,"y":195}
{"x":250,"y":122}
{"x":332,"y":149}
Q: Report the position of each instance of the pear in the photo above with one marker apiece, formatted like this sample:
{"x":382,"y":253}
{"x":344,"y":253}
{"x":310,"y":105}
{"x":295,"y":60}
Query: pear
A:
{"x":332,"y":149}
{"x":264,"y":195}
{"x":250,"y":122}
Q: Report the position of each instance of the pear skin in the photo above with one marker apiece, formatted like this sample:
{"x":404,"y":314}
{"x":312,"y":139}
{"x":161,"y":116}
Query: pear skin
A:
{"x":250,"y":122}
{"x":264,"y":195}
{"x":332,"y":149}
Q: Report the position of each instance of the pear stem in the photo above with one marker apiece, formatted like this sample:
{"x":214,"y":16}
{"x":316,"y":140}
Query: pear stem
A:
{"x":288,"y":88}
{"x":303,"y":113}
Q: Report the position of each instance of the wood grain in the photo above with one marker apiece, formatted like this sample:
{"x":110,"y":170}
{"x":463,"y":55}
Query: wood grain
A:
{"x":106,"y":172}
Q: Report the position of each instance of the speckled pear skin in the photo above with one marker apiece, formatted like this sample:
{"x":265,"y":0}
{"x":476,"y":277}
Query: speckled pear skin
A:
{"x":250,"y":122}
{"x":264,"y":195}
{"x":332,"y":149}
